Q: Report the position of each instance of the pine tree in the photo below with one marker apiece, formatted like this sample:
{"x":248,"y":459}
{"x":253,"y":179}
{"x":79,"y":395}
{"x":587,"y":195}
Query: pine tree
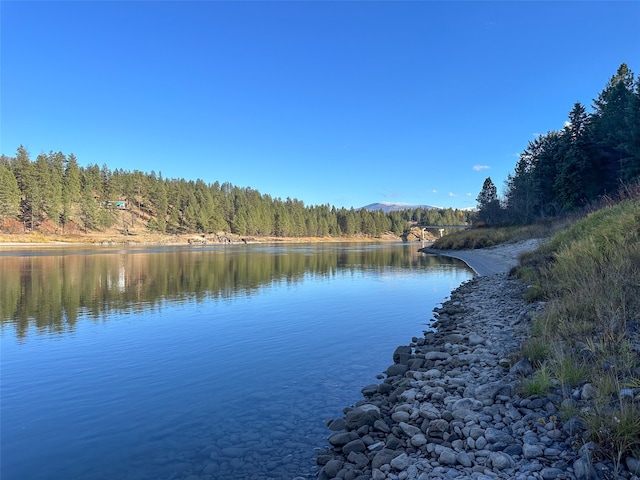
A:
{"x":521,"y":198}
{"x":54,"y":187}
{"x":71,"y":188}
{"x":578,"y":179}
{"x":9,"y":194}
{"x":615,"y":113}
{"x":489,"y":210}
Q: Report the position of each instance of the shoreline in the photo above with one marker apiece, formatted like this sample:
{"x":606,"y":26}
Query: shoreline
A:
{"x":27,"y":241}
{"x":491,"y":260}
{"x":450,"y":405}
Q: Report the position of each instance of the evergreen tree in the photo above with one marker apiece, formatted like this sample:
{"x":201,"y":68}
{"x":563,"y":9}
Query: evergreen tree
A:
{"x":612,"y":126}
{"x":71,"y":188}
{"x":578,"y":179}
{"x":489,"y":210}
{"x":520,"y":192}
{"x":9,"y":194}
{"x":53,"y":187}
{"x":546,"y":152}
{"x":160,"y":202}
{"x":630,"y":167}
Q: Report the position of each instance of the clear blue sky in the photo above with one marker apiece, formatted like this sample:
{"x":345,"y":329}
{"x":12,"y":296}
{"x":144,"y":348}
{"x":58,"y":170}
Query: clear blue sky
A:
{"x":345,"y":103}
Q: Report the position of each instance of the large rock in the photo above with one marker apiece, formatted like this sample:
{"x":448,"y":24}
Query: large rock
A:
{"x":384,"y":457}
{"x":363,"y":415}
{"x":396,"y":369}
{"x":332,"y":468}
{"x":340,"y":439}
{"x":500,"y":460}
{"x":402,"y":355}
{"x":356,"y":445}
{"x":400,"y":462}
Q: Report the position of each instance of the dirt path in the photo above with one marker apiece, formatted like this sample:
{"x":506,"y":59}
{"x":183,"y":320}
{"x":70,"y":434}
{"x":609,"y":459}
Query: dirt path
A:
{"x":488,"y":261}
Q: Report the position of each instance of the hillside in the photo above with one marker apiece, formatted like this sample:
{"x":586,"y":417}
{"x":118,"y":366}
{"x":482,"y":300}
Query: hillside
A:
{"x":394,"y":207}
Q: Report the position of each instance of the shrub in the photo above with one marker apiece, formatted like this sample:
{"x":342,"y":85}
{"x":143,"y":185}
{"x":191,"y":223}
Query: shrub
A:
{"x":538,"y":384}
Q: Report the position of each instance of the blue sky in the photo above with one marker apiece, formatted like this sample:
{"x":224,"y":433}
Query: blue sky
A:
{"x":345,"y":103}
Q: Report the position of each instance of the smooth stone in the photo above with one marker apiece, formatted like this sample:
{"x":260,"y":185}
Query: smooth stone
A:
{"x":447,"y":457}
{"x":334,"y":425}
{"x":396,"y":369}
{"x":381,"y":426}
{"x":493,"y":435}
{"x":377,"y":474}
{"x":409,"y":430}
{"x":428,"y":411}
{"x":383,"y":457}
{"x":437,"y":356}
{"x":530,"y":451}
{"x":550,"y":473}
{"x":500,"y":460}
{"x":522,"y":367}
{"x":340,"y":439}
{"x":438,"y":425}
{"x":363,"y":415}
{"x":464,"y":459}
{"x":588,"y":392}
{"x":360,"y":460}
{"x":432,"y":373}
{"x":369,"y":390}
{"x":467,"y":404}
{"x":633,"y":464}
{"x":513,"y":450}
{"x":419,"y":440}
{"x":402,"y":354}
{"x":400,"y":462}
{"x":400,"y":417}
{"x":332,"y":468}
{"x":356,"y":445}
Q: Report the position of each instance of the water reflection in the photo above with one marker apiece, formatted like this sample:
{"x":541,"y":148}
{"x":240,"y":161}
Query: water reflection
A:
{"x":51,"y":289}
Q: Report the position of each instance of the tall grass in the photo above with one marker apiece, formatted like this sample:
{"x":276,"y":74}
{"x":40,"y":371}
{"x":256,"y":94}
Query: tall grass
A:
{"x":488,"y":237}
{"x":589,"y":274}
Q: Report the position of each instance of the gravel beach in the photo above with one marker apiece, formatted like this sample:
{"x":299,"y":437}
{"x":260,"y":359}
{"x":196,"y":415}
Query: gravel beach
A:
{"x":450,"y":407}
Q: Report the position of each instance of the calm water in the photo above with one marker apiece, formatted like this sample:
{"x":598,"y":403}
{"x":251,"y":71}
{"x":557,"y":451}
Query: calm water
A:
{"x":175,"y":363}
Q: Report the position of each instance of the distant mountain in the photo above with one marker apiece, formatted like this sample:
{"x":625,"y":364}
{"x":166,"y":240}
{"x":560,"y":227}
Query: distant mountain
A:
{"x":391,"y":207}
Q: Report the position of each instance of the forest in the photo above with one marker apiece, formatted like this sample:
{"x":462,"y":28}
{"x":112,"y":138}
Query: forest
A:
{"x":596,"y":154}
{"x":54,"y":194}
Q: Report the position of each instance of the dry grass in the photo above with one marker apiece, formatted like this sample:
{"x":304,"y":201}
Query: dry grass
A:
{"x":488,"y":237}
{"x":589,"y":274}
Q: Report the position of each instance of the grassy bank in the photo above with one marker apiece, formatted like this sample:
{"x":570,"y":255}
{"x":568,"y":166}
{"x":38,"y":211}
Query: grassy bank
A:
{"x":585,"y":343}
{"x":489,"y":237}
{"x":588,"y":335}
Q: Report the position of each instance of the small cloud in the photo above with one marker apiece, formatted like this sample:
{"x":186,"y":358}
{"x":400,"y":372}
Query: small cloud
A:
{"x":479,"y":168}
{"x":468,"y":194}
{"x":451,"y":194}
{"x":434,"y":191}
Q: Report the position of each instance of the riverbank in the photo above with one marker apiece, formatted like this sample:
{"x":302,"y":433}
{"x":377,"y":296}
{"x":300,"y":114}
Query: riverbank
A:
{"x":491,"y":260}
{"x":452,"y":403}
{"x":40,"y":240}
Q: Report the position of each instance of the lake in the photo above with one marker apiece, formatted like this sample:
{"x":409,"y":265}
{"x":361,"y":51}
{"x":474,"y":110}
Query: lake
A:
{"x":213,"y":362}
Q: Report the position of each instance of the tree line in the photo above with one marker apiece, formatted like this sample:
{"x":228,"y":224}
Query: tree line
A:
{"x":594,"y":155}
{"x":54,"y":194}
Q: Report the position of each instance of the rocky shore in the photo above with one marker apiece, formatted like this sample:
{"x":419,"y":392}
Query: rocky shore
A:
{"x":450,"y":406}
